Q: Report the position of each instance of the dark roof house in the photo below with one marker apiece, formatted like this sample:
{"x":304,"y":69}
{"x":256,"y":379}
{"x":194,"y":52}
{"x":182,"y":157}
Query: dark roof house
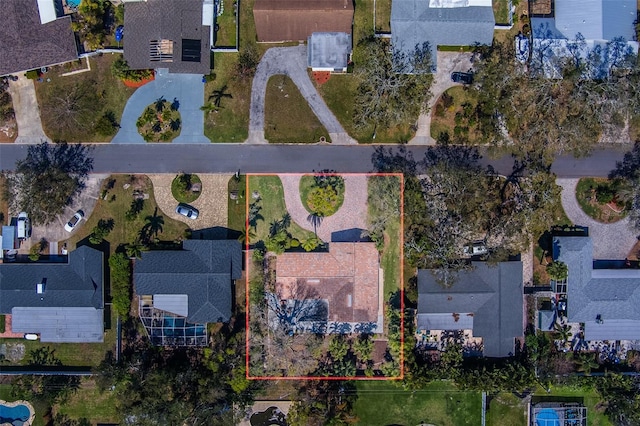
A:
{"x":486,"y":299}
{"x":63,"y":302}
{"x":440,"y":23}
{"x":168,"y":34}
{"x":195,"y":283}
{"x":294,"y":20}
{"x":33,"y":37}
{"x":607,"y":301}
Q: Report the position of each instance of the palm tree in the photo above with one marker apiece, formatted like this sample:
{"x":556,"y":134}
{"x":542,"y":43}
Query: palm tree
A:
{"x":154,"y":224}
{"x":134,"y":249}
{"x":563,"y":332}
{"x":208,"y":108}
{"x":246,"y":236}
{"x":587,"y":362}
{"x":159,"y":104}
{"x":174,"y":124}
{"x":558,"y":270}
{"x":175,"y":104}
{"x":218,"y":95}
{"x":316,"y":220}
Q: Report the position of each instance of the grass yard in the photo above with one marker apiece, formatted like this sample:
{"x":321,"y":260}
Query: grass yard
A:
{"x":506,"y":409}
{"x":383,"y":16}
{"x":288,"y":117}
{"x":115,"y":207}
{"x":586,"y":195}
{"x":4,"y":207}
{"x":390,"y":260}
{"x":454,"y":113}
{"x":236,"y":208}
{"x":439,"y":403}
{"x":307,"y":183}
{"x":363,"y":26}
{"x":104,"y":94}
{"x":339,"y":94}
{"x":89,"y":403}
{"x":501,"y":11}
{"x":273,"y":207}
{"x":230,"y":122}
{"x":226,"y":34}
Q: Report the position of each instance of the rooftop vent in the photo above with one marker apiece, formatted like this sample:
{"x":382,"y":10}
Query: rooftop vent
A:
{"x":40,"y":287}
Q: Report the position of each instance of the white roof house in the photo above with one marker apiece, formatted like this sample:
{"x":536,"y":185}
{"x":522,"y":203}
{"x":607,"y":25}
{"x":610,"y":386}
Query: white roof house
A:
{"x":329,"y":51}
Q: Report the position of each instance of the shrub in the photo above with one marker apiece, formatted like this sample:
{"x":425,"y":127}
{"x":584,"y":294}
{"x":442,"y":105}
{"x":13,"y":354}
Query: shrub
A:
{"x":34,"y":253}
{"x":106,"y":125}
{"x":447,"y":100}
{"x":247,"y":61}
{"x":557,"y":270}
{"x":323,"y":201}
{"x":120,"y":268}
{"x":120,"y":69}
{"x":2,"y":324}
{"x":605,"y":194}
{"x":101,"y":231}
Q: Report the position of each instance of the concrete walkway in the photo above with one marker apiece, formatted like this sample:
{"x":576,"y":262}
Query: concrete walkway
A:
{"x":610,"y":241}
{"x":448,"y":62}
{"x":188,"y":89}
{"x":290,"y":61}
{"x":352,"y":215}
{"x":25,"y":105}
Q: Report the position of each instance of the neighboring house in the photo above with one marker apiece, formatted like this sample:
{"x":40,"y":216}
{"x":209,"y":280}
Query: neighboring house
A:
{"x":34,"y":34}
{"x":607,"y":301}
{"x":340,"y":286}
{"x":440,"y":23}
{"x":181,"y":290}
{"x":176,"y":35}
{"x":598,"y":22}
{"x":62,"y":302}
{"x":329,"y":52}
{"x":486,"y":300}
{"x":296,"y":20}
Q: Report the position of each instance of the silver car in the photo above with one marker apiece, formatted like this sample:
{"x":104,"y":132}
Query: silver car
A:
{"x":187,"y":211}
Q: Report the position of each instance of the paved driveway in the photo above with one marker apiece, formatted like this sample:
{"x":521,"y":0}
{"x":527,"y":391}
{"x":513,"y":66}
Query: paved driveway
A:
{"x":448,"y":62}
{"x":188,"y":89}
{"x":25,"y":105}
{"x":290,"y":61}
{"x":610,"y":241}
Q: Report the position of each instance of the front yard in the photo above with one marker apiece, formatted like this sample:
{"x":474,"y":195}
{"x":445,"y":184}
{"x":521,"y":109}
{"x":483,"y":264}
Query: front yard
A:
{"x":599,"y":198}
{"x":455,"y":115}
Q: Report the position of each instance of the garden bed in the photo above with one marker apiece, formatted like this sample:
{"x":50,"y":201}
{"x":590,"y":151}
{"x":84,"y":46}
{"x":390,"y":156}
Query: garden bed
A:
{"x":160,"y":121}
{"x":186,"y":188}
{"x":598,"y":198}
{"x":309,"y":192}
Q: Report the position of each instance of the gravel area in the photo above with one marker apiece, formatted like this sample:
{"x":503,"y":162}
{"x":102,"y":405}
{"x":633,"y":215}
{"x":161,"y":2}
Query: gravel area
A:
{"x":212,"y":202}
{"x":610,"y":241}
{"x":352,"y":214}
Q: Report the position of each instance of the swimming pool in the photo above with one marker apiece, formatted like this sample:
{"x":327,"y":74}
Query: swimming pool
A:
{"x":18,"y":413}
{"x":74,"y":3}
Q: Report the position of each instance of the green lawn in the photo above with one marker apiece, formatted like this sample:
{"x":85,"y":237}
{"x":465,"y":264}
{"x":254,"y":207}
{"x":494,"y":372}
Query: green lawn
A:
{"x":89,"y":403}
{"x":362,"y":20}
{"x":383,"y":16}
{"x":288,"y":117}
{"x":439,"y":403}
{"x":226,"y":35}
{"x":109,"y":92}
{"x":450,"y":117}
{"x":506,"y":409}
{"x":501,"y":11}
{"x":236,"y":208}
{"x":126,"y":231}
{"x":273,"y":207}
{"x":307,"y":183}
{"x":585,"y":194}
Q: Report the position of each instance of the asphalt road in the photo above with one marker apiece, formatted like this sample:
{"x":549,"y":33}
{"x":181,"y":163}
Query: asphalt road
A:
{"x":229,"y":158}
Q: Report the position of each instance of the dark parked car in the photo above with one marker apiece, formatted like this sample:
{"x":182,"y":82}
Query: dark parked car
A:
{"x":462,"y":77}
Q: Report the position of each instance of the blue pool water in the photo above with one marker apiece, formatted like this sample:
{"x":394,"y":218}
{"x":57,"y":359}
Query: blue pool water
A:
{"x":74,"y":3}
{"x":15,"y":416}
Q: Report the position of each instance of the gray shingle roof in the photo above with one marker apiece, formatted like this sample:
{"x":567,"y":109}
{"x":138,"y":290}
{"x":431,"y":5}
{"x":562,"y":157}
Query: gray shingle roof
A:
{"x":26,"y":44}
{"x":596,"y":19}
{"x":77,"y":283}
{"x":413,"y":22}
{"x":203,"y":270}
{"x":492,"y":294}
{"x":614,"y":294}
{"x":166,"y":20}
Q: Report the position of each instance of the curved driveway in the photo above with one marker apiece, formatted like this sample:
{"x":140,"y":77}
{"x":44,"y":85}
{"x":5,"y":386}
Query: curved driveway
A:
{"x":290,"y":61}
{"x":610,"y":241}
{"x":351,"y":215}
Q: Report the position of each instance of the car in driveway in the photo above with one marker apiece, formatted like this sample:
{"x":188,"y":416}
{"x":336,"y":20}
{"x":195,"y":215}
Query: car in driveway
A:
{"x":187,"y":211}
{"x":74,"y":221}
{"x":462,"y":77}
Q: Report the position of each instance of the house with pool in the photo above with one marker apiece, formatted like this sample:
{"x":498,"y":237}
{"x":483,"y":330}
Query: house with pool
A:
{"x":181,"y":291}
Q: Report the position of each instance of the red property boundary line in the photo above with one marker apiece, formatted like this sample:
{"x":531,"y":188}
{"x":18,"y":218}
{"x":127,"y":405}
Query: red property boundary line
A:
{"x":247,"y":263}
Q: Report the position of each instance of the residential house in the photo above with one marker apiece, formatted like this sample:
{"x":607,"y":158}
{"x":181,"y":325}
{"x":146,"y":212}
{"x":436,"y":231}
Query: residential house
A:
{"x":34,"y":34}
{"x":597,"y":22}
{"x":606,"y":301}
{"x":62,"y":302}
{"x":486,"y":302}
{"x":329,"y":52}
{"x":182,"y":290}
{"x":338,"y":286}
{"x":296,"y":20}
{"x":440,"y":23}
{"x":169,"y":34}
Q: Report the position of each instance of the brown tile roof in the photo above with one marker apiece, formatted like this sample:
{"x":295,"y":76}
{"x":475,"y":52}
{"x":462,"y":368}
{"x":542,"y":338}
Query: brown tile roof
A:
{"x":27,"y":44}
{"x":174,"y":20}
{"x":346,"y":276}
{"x":292,"y":20}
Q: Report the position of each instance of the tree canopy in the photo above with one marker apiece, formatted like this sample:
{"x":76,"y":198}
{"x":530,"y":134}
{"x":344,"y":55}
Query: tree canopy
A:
{"x":48,"y":180}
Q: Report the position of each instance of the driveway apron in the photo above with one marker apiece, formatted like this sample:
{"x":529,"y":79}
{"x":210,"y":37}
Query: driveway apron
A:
{"x":25,"y":105}
{"x":188,"y":89}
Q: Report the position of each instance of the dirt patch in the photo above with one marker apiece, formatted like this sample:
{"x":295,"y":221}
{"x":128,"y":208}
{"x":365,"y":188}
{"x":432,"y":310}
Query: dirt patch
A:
{"x":541,"y":7}
{"x":13,"y":352}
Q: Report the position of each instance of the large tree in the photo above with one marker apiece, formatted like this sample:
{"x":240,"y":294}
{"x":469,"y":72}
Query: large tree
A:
{"x":48,"y":180}
{"x":70,"y":109}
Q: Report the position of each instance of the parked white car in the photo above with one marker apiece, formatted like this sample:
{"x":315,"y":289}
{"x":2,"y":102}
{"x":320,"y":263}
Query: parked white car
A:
{"x":74,"y":221}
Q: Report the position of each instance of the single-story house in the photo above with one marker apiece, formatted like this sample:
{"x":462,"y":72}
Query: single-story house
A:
{"x":296,"y":20}
{"x":34,"y":34}
{"x":345,"y":281}
{"x":62,"y":302}
{"x":607,"y":301}
{"x":176,"y":35}
{"x":440,"y":23}
{"x":597,"y":22}
{"x":486,"y":299}
{"x":329,"y":51}
{"x":195,"y":283}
